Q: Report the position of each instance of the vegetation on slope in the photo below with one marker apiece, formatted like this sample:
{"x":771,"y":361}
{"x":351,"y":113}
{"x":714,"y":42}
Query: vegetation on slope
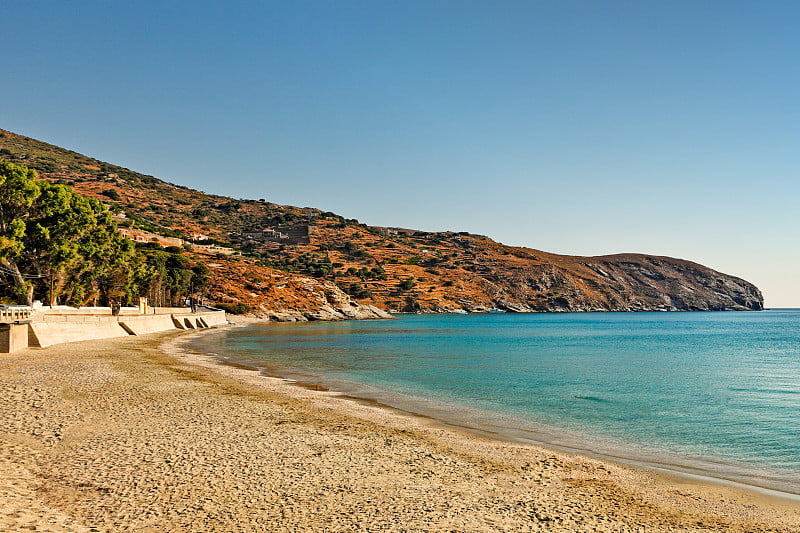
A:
{"x":393,"y":268}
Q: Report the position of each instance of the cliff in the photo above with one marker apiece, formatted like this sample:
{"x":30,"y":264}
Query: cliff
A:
{"x":303,"y":263}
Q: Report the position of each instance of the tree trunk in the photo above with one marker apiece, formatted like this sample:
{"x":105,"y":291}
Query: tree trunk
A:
{"x":58,"y":287}
{"x":23,"y":288}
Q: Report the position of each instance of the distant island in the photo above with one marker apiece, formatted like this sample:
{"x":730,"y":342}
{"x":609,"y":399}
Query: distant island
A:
{"x":290,"y":263}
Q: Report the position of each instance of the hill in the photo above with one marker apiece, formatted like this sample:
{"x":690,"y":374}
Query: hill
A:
{"x":291,"y":262}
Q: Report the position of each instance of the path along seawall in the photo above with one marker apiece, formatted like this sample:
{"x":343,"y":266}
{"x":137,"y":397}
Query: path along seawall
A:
{"x":43,"y":328}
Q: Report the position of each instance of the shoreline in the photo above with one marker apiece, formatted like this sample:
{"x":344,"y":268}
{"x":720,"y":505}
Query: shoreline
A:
{"x":124,"y":435}
{"x":510,"y":429}
{"x":678,"y":471}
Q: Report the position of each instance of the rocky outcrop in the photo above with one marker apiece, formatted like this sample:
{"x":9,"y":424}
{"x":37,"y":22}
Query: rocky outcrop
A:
{"x":282,"y":297}
{"x":627,"y":282}
{"x":326,"y":312}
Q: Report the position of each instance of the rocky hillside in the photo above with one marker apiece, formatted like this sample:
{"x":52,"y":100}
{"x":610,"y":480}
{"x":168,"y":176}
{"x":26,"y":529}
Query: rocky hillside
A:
{"x":275,"y":295}
{"x":343,"y":266}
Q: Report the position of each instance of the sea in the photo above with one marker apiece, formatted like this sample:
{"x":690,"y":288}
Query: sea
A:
{"x":711,"y":394}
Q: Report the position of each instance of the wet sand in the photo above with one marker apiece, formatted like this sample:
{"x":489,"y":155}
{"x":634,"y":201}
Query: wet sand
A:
{"x":136,"y":435}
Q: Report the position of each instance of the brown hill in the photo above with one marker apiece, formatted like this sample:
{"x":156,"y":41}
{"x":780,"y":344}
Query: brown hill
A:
{"x":292,"y":262}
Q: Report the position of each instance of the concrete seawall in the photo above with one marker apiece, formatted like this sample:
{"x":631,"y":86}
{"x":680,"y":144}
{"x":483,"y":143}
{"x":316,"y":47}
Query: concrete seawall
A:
{"x":47,"y":329}
{"x":143,"y":324}
{"x":199,"y":320}
{"x":60,"y":329}
{"x":13,"y":337}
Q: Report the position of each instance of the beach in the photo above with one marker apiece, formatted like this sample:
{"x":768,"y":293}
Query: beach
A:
{"x":138,"y":434}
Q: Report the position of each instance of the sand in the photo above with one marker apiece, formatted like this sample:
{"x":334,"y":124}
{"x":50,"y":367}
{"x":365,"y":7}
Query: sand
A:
{"x":136,"y":435}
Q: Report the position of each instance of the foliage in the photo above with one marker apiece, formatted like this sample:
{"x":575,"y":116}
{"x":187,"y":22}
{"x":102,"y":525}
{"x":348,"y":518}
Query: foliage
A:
{"x":112,"y":194}
{"x":18,"y":190}
{"x":146,"y":225}
{"x":406,"y":284}
{"x":166,"y":277}
{"x":234,"y":308}
{"x":352,"y":250}
{"x":52,"y":238}
{"x":309,"y":264}
{"x":411,"y":305}
{"x":374,"y":273}
{"x":356,"y":290}
{"x":63,"y":247}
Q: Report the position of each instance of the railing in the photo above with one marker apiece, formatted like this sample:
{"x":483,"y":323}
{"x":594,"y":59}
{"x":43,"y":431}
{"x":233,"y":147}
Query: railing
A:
{"x":12,"y":314}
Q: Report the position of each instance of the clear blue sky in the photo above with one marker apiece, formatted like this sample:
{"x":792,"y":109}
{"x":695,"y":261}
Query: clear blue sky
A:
{"x":670,"y":128}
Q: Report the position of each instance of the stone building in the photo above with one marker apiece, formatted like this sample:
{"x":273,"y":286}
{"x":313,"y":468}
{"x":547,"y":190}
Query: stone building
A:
{"x":299,"y":234}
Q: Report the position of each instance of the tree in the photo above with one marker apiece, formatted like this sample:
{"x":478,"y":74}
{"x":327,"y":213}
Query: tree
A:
{"x":52,"y":238}
{"x":406,"y":284}
{"x":113,"y":194}
{"x":57,"y":243}
{"x":19,"y":188}
{"x":166,"y":278}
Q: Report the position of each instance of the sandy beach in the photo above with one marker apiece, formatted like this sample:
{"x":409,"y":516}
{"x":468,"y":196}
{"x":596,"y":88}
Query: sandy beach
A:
{"x":137,"y":434}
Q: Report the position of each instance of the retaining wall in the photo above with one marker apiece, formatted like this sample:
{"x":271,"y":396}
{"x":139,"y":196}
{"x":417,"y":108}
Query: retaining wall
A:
{"x":213,"y":318}
{"x":143,"y":324}
{"x":13,"y":337}
{"x":200,"y":320}
{"x":60,"y":329}
{"x":47,"y":329}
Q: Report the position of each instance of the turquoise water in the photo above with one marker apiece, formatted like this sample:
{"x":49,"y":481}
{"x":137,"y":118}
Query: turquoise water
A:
{"x":712,"y":393}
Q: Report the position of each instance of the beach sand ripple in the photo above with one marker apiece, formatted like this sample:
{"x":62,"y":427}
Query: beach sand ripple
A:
{"x":136,"y":435}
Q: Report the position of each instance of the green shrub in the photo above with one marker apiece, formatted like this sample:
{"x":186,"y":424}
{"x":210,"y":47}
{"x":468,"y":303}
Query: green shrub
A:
{"x":238,"y":308}
{"x":113,"y":194}
{"x":356,"y":290}
{"x":406,"y":284}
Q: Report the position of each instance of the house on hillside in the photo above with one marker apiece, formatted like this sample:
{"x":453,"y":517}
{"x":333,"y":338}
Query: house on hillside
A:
{"x":139,"y":235}
{"x":299,"y":234}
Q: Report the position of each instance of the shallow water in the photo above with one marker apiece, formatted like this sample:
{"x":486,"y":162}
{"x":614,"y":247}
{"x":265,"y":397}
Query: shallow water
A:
{"x":712,"y":393}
